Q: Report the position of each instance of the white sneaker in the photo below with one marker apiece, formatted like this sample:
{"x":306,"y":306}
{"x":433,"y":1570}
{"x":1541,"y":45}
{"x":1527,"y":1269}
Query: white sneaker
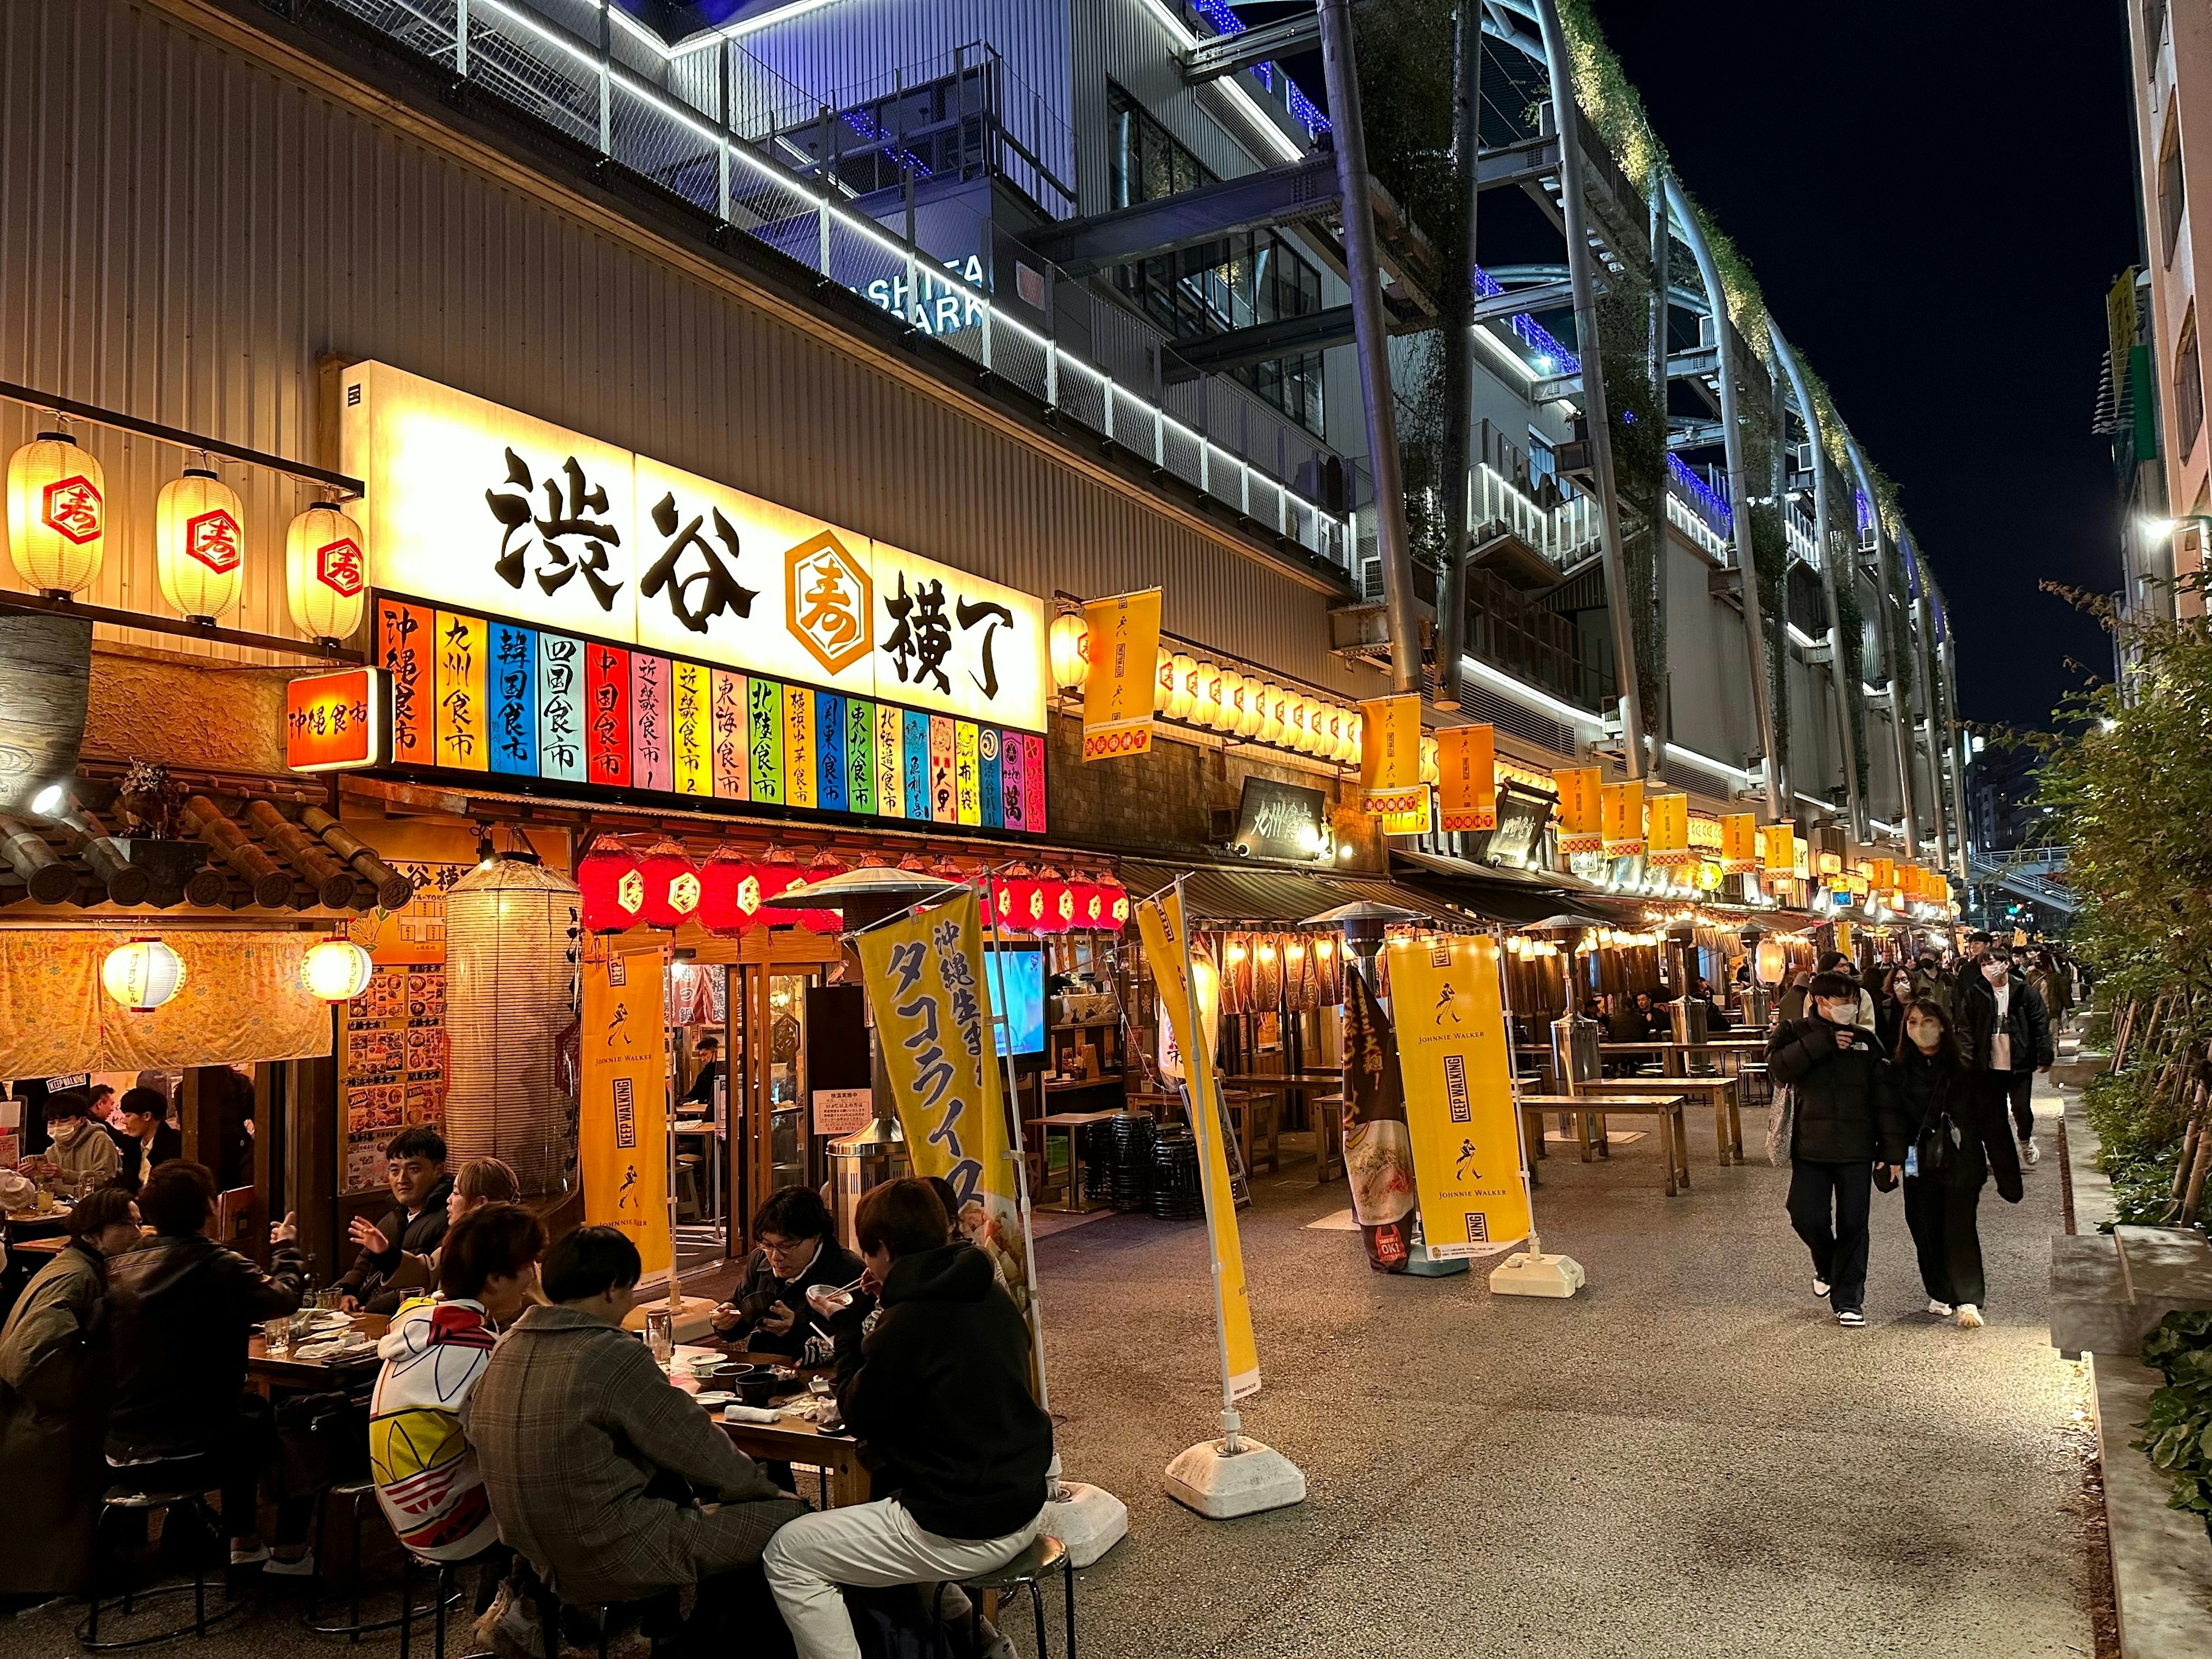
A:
{"x":1970,"y":1316}
{"x":1819,"y":1288}
{"x":300,"y":1566}
{"x":2031,"y":1152}
{"x":1941,"y":1309}
{"x":1851,"y":1318}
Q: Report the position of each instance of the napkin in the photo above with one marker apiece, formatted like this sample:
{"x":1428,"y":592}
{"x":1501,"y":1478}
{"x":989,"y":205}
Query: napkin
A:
{"x":750,"y":1414}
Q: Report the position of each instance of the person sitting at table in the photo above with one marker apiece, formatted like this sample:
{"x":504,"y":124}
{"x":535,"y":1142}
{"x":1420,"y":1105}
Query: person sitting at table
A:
{"x":414,"y":1169}
{"x":144,"y":1135}
{"x":597,"y":1468}
{"x":479,"y":1181}
{"x":100,"y":1104}
{"x":183,"y":1306}
{"x":940,"y":1391}
{"x":798,"y":1248}
{"x":55,"y":1378}
{"x":81,"y":1150}
{"x":434,"y":1356}
{"x":701,"y":1097}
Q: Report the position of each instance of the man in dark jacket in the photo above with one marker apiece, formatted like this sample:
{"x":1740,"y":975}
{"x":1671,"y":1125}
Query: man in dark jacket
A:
{"x":2005,"y":1028}
{"x":143,"y":1134}
{"x":183,"y":1307}
{"x":798,"y":1249}
{"x":1847,"y":1120}
{"x":941,"y":1390}
{"x":414,"y":1167}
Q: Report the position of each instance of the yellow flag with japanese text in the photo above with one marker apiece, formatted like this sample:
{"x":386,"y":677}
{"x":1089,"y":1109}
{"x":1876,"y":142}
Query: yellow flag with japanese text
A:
{"x":622,"y":1118}
{"x":1621,"y":810}
{"x":1581,"y":829}
{"x":1390,"y":757}
{"x":1167,"y":948}
{"x":1121,"y":645}
{"x":1739,"y":843}
{"x":1778,"y":849}
{"x":1467,"y":776}
{"x":932,"y":1002}
{"x":1669,"y":831}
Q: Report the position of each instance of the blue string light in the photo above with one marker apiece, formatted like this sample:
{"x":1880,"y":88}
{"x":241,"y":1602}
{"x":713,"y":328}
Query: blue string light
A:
{"x":1301,"y":108}
{"x":1699,"y":491}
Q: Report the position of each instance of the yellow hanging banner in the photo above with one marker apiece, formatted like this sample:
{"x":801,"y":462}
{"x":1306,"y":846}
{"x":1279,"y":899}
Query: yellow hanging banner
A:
{"x":1621,"y":816}
{"x":1669,"y":831}
{"x":1581,"y":829}
{"x":1739,"y":843}
{"x":1843,"y":936}
{"x":1451,"y":1019}
{"x":1390,"y":757}
{"x":1467,"y":776}
{"x":1884,"y":875}
{"x":934,"y":1028}
{"x":1167,"y":949}
{"x":1418,"y":822}
{"x":1778,"y":849}
{"x":1121,"y":644}
{"x":622,"y":1120}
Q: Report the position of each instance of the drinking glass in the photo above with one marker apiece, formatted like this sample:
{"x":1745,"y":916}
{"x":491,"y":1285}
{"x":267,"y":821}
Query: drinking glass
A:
{"x":276,"y":1337}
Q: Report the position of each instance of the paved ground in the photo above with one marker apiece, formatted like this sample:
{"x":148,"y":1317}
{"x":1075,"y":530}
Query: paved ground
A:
{"x":1689,"y":1458}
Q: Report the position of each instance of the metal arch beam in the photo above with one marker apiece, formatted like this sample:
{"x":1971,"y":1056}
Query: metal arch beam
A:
{"x":1754,"y":617}
{"x":1900,"y":722}
{"x":1838,"y":676}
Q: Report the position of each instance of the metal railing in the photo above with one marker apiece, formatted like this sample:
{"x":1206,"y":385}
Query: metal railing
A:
{"x":1804,"y":546}
{"x":1685,"y":517}
{"x":1561,"y":534}
{"x":613,"y":94}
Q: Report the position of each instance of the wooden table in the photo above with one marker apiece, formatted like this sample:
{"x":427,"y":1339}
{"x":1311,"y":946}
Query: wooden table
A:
{"x":1666,"y":1109}
{"x":264,"y":1373}
{"x":52,"y":1246}
{"x":1720,"y":1091}
{"x":1329,"y":1141}
{"x":845,"y":1476}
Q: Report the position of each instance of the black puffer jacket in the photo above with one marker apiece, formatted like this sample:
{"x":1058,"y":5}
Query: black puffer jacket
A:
{"x":1959,"y":1123}
{"x":1847,"y":1108}
{"x":942,"y":1393}
{"x":367,"y":1280}
{"x":182,"y":1308}
{"x":2026,"y":1021}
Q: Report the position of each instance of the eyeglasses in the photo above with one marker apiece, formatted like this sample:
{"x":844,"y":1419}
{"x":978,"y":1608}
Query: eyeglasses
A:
{"x":783,"y":1245}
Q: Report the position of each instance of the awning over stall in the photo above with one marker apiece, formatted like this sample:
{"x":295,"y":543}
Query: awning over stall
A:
{"x":1243,"y":895}
{"x":1517,"y":897}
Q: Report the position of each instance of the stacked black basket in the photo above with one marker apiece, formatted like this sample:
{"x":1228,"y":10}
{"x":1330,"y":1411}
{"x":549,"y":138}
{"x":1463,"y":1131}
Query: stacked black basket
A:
{"x":1129,"y":1169}
{"x":1176,"y":1194}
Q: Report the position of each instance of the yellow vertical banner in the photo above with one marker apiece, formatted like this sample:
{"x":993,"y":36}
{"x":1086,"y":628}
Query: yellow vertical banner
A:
{"x":1452,"y":1059}
{"x":1620,"y":811}
{"x":1121,"y":645}
{"x":1467,"y":776}
{"x":1167,"y":949}
{"x":1778,"y":849}
{"x":1843,"y":936}
{"x":797,"y":713}
{"x":462,"y":737}
{"x":1739,"y":843}
{"x":1390,"y":757}
{"x":1581,"y":828}
{"x":967,"y":773}
{"x":1884,"y":875}
{"x":931,"y":1003}
{"x":622,"y":1120}
{"x":691,"y":730}
{"x":1668,"y":829}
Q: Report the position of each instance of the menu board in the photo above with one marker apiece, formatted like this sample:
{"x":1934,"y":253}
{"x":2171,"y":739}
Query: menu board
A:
{"x":391,"y":1066}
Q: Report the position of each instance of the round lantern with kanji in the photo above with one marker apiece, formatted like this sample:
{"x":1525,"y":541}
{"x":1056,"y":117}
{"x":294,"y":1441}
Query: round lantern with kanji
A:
{"x":613,"y":887}
{"x":326,"y":572}
{"x":1115,"y":898}
{"x":56,"y":514}
{"x":1055,"y":908}
{"x":1091,"y":909}
{"x":199,"y":545}
{"x":729,"y":893}
{"x":671,"y":886}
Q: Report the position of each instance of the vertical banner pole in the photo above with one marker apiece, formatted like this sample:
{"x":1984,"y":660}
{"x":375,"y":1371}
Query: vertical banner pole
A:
{"x":1513,"y":1081}
{"x":1017,"y":1144}
{"x":1231,"y":1422}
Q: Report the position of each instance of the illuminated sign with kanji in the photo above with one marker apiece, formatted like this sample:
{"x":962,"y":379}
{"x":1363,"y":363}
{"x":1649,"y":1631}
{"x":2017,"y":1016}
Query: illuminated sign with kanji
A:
{"x":489,"y":511}
{"x":334,"y":723}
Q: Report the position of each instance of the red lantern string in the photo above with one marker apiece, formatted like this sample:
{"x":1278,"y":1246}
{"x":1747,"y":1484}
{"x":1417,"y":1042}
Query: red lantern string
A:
{"x":671,"y":886}
{"x":613,"y":887}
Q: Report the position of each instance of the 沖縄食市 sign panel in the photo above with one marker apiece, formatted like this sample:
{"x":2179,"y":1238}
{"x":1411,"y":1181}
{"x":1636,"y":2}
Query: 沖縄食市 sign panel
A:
{"x":483,"y":511}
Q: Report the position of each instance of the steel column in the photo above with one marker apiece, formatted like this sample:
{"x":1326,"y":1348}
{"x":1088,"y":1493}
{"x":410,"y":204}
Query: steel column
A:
{"x":1456,"y":306}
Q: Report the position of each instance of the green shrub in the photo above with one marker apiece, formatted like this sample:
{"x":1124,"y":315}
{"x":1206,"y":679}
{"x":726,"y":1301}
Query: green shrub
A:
{"x":2177,"y":1430}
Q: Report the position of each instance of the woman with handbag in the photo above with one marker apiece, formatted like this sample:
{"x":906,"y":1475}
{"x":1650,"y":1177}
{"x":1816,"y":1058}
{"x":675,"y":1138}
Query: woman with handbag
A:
{"x":1961,"y":1134}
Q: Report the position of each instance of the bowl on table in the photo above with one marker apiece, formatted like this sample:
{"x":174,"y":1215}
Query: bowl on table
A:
{"x":754,"y":1385}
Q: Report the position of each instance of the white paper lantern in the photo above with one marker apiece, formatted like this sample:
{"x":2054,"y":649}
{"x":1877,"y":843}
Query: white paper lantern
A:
{"x":1353,"y":728}
{"x":199,"y":545}
{"x":326,"y":572}
{"x":1164,"y":681}
{"x":1070,"y":642}
{"x":1182,"y":689}
{"x":56,"y":514}
{"x":142,"y":974}
{"x":336,"y":970}
{"x":1271,"y":713}
{"x":1231,"y":707}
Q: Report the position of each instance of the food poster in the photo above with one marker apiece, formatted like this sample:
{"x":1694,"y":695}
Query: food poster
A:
{"x":1378,"y":1144}
{"x":392,"y":1037}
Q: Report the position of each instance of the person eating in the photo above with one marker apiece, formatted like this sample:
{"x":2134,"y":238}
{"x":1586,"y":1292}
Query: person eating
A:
{"x":798,"y":1250}
{"x":84,"y":1156}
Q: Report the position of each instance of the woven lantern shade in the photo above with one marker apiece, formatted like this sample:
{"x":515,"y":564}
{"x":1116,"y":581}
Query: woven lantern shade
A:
{"x":56,"y":514}
{"x":729,"y":893}
{"x":508,"y":982}
{"x":1267,"y":972}
{"x":199,"y":545}
{"x":671,"y":886}
{"x":613,"y":888}
{"x":1329,"y":969}
{"x":326,"y":572}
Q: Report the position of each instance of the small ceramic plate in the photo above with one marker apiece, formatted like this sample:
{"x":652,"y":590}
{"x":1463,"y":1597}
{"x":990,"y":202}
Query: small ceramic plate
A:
{"x":714,"y":1399}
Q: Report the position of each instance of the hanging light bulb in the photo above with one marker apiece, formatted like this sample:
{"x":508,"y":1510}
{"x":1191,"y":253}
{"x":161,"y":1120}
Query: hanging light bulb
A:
{"x":56,"y":514}
{"x":1071,"y":650}
{"x":336,"y":970}
{"x":199,"y":545}
{"x":326,"y":572}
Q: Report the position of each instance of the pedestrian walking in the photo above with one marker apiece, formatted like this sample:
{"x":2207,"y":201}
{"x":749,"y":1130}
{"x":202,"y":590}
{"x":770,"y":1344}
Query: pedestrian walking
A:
{"x":1900,"y":990}
{"x":1959,"y":1139}
{"x":2005,"y":1028}
{"x":1846,"y":1122}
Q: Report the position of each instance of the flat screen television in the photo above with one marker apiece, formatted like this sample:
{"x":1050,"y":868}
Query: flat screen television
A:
{"x":1017,"y":974}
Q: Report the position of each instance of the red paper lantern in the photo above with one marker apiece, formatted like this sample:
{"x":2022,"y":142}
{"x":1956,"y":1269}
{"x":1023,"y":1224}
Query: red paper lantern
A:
{"x":729,"y":893}
{"x":671,"y":886}
{"x":1090,"y":903}
{"x":791,"y":880}
{"x":1056,"y":903}
{"x":613,"y":886}
{"x":1117,"y":904}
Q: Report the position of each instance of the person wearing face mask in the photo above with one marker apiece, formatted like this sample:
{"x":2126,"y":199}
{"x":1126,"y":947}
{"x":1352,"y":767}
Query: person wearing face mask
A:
{"x":1900,"y":990}
{"x":1959,"y":1139}
{"x":2006,"y":1031}
{"x":1847,"y":1121}
{"x":80,"y":1149}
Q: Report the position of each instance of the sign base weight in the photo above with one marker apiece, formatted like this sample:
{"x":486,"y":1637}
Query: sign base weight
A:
{"x":1524,"y":1274}
{"x":1087,"y":1520}
{"x":1222,"y":1485}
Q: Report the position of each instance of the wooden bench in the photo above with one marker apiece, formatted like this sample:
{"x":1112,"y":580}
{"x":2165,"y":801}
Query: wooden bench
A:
{"x":1721,"y":1092}
{"x":1588,"y":1110}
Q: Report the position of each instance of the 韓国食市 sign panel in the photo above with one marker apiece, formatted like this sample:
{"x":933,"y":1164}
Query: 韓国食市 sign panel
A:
{"x":485,"y":511}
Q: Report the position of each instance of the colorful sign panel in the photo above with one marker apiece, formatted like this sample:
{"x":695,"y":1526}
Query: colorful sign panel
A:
{"x":1167,"y":948}
{"x":334,"y":721}
{"x":1467,"y":776}
{"x":1121,"y":646}
{"x":486,"y":694}
{"x":935,"y":1031}
{"x":1581,"y":828}
{"x":1452,"y":1058}
{"x":1390,"y":757}
{"x":491,"y":512}
{"x":623,"y":1124}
